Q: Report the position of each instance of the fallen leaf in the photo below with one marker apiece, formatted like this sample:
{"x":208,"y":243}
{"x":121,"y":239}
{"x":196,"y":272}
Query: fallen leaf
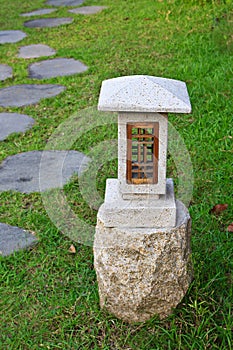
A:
{"x":230,"y":227}
{"x":72,"y":249}
{"x":218,"y":208}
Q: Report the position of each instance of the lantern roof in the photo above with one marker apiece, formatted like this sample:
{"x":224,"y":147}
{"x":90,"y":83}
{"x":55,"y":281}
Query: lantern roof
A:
{"x":144,"y":93}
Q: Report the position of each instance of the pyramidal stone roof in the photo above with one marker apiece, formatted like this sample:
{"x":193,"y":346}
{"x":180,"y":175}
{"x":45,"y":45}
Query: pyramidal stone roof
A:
{"x":143,"y":93}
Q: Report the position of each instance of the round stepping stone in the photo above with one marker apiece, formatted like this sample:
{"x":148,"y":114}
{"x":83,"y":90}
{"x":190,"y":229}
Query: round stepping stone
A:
{"x":65,"y":2}
{"x":48,"y":22}
{"x":38,"y":171}
{"x":38,"y":12}
{"x":34,"y":51}
{"x":13,"y":239}
{"x":11,"y":36}
{"x":55,"y":68}
{"x":88,"y":10}
{"x":14,"y":122}
{"x":23,"y":95}
{"x":5,"y":72}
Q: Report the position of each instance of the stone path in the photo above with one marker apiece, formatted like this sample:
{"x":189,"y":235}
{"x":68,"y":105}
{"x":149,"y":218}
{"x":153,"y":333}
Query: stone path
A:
{"x":13,"y":239}
{"x":38,"y":12}
{"x":36,"y":171}
{"x":88,"y":10}
{"x":14,"y":122}
{"x":11,"y":36}
{"x":5,"y":72}
{"x":35,"y":51}
{"x":56,"y":67}
{"x":47,"y":22}
{"x":23,"y":95}
{"x":65,"y":2}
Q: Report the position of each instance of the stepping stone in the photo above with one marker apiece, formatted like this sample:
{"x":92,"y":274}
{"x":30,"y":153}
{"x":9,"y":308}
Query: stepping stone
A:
{"x":38,"y":171}
{"x":47,"y":22}
{"x":34,"y":51}
{"x":55,"y":68}
{"x":38,"y":12}
{"x":88,"y":10}
{"x":23,"y":95}
{"x":5,"y":72}
{"x":65,"y":2}
{"x":13,"y":239}
{"x":14,"y":122}
{"x":11,"y":36}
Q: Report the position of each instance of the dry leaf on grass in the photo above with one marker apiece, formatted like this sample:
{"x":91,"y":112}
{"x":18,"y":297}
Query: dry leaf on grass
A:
{"x":218,"y":208}
{"x":230,"y":227}
{"x":72,"y":249}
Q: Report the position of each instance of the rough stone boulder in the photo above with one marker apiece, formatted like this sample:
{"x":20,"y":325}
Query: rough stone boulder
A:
{"x":142,"y":272}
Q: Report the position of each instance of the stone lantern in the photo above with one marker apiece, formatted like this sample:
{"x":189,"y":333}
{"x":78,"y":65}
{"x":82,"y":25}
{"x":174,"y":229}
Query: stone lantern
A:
{"x":142,"y":240}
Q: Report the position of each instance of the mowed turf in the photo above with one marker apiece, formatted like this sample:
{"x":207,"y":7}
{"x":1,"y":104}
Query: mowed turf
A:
{"x":49,"y":295}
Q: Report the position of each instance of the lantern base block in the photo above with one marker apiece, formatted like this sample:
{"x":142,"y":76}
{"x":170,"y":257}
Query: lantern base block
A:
{"x":143,"y":272}
{"x":145,"y":212}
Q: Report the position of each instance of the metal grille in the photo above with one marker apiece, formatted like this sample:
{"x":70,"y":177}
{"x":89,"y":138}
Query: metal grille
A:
{"x":142,"y":153}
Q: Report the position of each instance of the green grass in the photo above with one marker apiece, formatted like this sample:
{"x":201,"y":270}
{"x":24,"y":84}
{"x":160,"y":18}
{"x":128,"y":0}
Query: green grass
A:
{"x":49,"y":297}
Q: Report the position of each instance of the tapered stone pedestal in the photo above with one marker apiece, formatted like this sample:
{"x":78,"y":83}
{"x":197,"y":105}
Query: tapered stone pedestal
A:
{"x":141,"y":271}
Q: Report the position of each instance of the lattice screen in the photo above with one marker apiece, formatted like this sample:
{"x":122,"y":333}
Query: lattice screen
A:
{"x":142,"y":153}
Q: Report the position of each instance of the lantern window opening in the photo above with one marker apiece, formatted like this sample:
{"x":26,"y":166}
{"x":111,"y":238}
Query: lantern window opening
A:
{"x":142,"y":153}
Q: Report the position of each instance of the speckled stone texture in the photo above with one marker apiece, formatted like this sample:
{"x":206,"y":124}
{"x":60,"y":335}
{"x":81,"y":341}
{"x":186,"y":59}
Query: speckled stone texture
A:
{"x":143,"y":272}
{"x":144,"y":93}
{"x":149,"y":211}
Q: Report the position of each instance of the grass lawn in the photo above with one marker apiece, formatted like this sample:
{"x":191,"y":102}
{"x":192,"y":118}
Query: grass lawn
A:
{"x":49,"y":296}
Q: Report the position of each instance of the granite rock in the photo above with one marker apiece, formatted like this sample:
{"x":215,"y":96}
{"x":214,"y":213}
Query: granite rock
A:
{"x":143,"y":272}
{"x":144,"y":93}
{"x":150,"y":212}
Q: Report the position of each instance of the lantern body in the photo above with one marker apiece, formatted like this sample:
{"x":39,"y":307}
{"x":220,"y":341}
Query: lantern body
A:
{"x":142,"y":153}
{"x":142,"y":241}
{"x":142,"y":103}
{"x":141,"y":196}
